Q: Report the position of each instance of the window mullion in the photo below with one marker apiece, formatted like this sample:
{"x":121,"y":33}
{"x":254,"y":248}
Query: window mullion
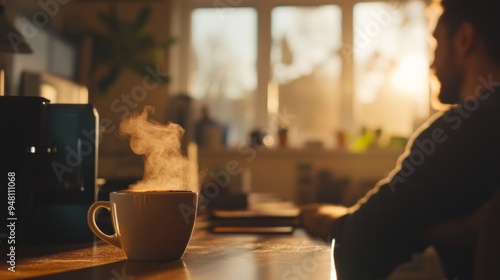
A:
{"x":263,"y":63}
{"x":179,"y":56}
{"x":347,"y":54}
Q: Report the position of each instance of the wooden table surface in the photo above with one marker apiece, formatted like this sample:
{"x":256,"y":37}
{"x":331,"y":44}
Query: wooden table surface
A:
{"x":208,"y":256}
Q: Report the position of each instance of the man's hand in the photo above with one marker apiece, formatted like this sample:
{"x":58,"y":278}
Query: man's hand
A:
{"x":318,"y":219}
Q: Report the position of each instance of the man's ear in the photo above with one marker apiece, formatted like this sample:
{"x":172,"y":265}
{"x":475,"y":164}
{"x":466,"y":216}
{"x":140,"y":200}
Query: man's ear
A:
{"x":465,"y":39}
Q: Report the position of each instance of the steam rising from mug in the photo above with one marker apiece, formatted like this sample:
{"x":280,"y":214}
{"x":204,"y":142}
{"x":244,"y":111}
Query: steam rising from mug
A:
{"x":165,"y":168}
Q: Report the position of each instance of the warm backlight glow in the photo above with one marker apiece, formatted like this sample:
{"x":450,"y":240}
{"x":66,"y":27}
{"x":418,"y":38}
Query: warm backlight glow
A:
{"x":273,"y":98}
{"x":391,"y":64}
{"x":48,"y":91}
{"x":333,"y":272}
{"x":409,"y":76}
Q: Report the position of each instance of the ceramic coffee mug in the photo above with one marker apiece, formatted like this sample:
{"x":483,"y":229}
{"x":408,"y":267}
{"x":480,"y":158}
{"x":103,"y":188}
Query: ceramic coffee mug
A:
{"x":151,"y":225}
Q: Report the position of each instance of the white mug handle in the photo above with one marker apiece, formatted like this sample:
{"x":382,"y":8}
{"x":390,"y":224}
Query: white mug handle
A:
{"x":111,"y":239}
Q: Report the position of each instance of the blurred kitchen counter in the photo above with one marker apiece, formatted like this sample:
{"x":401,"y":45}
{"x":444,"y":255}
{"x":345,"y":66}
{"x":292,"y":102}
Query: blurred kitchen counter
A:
{"x":294,"y":174}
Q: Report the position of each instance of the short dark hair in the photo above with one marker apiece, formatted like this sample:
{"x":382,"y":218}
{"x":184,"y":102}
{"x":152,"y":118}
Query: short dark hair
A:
{"x":482,"y":14}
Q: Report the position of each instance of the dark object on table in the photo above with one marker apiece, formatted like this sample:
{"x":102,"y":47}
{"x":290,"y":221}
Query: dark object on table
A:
{"x":265,"y":214}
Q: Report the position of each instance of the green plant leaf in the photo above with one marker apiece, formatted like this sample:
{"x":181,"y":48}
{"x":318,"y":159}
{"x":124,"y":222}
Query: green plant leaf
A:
{"x":111,"y":22}
{"x":142,"y":18}
{"x":167,"y":43}
{"x":126,"y":45}
{"x":141,"y":69}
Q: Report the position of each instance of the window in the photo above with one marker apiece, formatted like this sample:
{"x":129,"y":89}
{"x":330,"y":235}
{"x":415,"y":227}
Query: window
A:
{"x":327,"y":67}
{"x":223,"y":71}
{"x":306,"y":67}
{"x":390,"y":62}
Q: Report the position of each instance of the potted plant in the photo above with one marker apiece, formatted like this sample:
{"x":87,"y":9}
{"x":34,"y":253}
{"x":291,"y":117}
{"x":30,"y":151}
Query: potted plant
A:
{"x":126,"y":45}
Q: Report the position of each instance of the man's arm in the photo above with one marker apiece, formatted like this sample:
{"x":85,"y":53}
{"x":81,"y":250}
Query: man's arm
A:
{"x":488,"y":248}
{"x":317,"y":219}
{"x":463,"y":231}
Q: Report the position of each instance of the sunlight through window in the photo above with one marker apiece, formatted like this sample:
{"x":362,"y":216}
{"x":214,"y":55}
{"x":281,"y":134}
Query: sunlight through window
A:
{"x":307,"y":67}
{"x":248,"y":66}
{"x":224,"y":77}
{"x":391,"y":66}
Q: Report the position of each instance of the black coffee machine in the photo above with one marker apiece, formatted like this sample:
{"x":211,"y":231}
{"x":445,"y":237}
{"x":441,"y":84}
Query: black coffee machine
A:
{"x":49,"y":167}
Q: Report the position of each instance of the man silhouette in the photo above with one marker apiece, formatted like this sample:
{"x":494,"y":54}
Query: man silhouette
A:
{"x":450,"y":170}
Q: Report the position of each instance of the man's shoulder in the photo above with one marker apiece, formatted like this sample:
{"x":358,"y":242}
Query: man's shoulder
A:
{"x":481,"y":114}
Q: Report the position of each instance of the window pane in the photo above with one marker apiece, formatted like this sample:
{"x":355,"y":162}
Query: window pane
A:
{"x":223,"y":75}
{"x":391,"y":66}
{"x":306,"y":67}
